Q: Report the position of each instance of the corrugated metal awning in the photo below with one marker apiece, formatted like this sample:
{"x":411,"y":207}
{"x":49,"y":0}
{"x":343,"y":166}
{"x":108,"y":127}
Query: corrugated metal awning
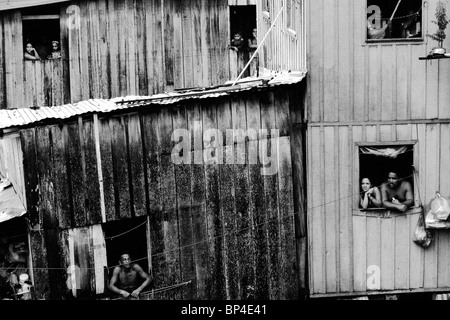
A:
{"x":15,"y":4}
{"x":10,"y":205}
{"x":26,"y":116}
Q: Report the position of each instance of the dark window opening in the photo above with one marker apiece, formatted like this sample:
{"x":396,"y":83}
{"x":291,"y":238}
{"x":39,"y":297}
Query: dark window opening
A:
{"x":41,"y":27}
{"x":14,"y":258}
{"x":375,"y":166}
{"x":242,"y":21}
{"x":127,"y":236}
{"x":406,"y":22}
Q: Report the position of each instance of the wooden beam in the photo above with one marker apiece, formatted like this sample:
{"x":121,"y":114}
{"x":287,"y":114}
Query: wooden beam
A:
{"x":41,"y":17}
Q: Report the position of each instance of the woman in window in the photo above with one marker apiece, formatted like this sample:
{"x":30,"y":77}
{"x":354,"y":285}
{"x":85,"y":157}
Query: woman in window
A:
{"x":370,"y":197}
{"x":31,"y":53}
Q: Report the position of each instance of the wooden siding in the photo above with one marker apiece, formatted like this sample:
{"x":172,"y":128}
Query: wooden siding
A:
{"x":226,"y":227}
{"x":343,"y":243}
{"x":114,"y":48}
{"x":284,"y":47}
{"x":351,"y":80}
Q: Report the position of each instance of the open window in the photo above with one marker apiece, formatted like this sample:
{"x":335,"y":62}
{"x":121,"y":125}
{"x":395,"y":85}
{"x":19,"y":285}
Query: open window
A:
{"x":127,"y":236}
{"x":396,"y":20}
{"x":377,"y":161}
{"x":41,"y":31}
{"x":242,"y":21}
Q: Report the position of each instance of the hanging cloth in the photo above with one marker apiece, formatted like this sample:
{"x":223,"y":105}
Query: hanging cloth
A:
{"x":390,"y":152}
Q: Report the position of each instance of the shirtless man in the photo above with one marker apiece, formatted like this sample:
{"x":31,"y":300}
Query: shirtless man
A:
{"x":396,"y":194}
{"x":125,"y":278}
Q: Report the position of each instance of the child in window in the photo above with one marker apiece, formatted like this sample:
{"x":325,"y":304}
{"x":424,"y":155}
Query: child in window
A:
{"x":56,"y":52}
{"x":253,"y":41}
{"x":237,"y":42}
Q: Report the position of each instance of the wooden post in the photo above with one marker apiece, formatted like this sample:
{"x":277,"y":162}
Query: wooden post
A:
{"x":99,"y":166}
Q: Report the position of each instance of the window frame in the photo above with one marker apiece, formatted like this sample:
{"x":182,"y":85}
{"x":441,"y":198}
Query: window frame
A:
{"x":382,"y":212}
{"x":395,"y":40}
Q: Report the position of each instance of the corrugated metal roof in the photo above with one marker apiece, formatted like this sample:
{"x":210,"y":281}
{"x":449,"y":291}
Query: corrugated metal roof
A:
{"x":10,"y":118}
{"x":15,"y":4}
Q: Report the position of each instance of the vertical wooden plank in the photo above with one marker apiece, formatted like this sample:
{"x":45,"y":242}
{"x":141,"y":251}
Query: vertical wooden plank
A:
{"x":142,"y":77}
{"x":227,"y":200}
{"x":84,"y":50}
{"x":329,"y":64}
{"x":387,"y":254}
{"x":120,"y":167}
{"x":16,"y":60}
{"x":221,"y":31}
{"x":330,"y":210}
{"x":39,"y":257}
{"x":2,"y":67}
{"x":113,"y":43}
{"x":374,"y":76}
{"x":104,"y":50}
{"x":373,"y":248}
{"x":418,"y":84}
{"x":65,"y":50}
{"x":169,"y":206}
{"x":387,"y":83}
{"x":136,"y":160}
{"x":186,"y":29}
{"x":183,"y":200}
{"x":61,"y":175}
{"x":205,"y":44}
{"x":93,"y":48}
{"x":130,"y":48}
{"x":77,"y":173}
{"x":359,"y":253}
{"x":432,"y":90}
{"x":443,"y":254}
{"x":402,"y":242}
{"x":90,"y":179}
{"x":9,"y":56}
{"x":431,"y":140}
{"x":168,"y":41}
{"x":214,"y":218}
{"x":343,"y":61}
{"x":198,"y":207}
{"x":288,"y":265}
{"x":99,"y":255}
{"x":74,"y":54}
{"x":416,"y":254}
{"x":27,"y":138}
{"x":402,"y":63}
{"x":317,"y":243}
{"x":105,"y":136}
{"x":122,"y":41}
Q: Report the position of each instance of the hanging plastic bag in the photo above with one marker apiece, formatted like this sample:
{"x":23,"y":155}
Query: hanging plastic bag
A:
{"x":438,"y":214}
{"x":422,"y":236}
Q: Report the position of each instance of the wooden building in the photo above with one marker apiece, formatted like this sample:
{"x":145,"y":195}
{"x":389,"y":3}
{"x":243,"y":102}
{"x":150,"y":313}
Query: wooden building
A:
{"x":98,"y":177}
{"x":113,"y":48}
{"x":375,"y":93}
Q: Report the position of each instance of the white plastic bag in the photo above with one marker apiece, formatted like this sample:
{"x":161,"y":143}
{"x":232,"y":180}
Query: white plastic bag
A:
{"x":438,"y":214}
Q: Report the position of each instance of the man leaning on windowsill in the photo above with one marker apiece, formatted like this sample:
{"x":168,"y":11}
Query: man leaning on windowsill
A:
{"x":396,"y":194}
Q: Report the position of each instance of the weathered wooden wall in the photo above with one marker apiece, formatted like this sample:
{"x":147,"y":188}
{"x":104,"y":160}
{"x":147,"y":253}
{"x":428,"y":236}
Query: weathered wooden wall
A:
{"x":116,"y":48}
{"x":344,"y":242}
{"x":227,"y":227}
{"x":285,"y":46}
{"x":351,"y":80}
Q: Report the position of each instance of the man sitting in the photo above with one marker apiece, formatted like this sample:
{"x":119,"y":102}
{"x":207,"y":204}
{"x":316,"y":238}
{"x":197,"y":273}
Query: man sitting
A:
{"x":396,"y":194}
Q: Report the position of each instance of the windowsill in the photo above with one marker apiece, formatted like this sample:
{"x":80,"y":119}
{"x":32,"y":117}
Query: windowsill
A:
{"x":385,"y":213}
{"x":394,"y":41}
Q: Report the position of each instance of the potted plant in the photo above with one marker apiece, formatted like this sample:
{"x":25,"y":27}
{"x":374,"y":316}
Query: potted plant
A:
{"x":441,"y":21}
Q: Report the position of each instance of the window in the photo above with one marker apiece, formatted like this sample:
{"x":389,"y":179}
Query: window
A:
{"x":242,"y":21}
{"x":377,"y":161}
{"x":127,"y":236}
{"x":41,"y":27}
{"x":394,"y":20}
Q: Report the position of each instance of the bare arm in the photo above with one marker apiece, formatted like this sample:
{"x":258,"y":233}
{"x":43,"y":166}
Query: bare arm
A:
{"x":408,"y":194}
{"x":375,"y":197}
{"x":30,"y":57}
{"x":112,"y":284}
{"x":145,"y":276}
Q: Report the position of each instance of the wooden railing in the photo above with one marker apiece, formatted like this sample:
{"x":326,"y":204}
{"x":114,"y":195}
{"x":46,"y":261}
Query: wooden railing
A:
{"x":238,"y":61}
{"x":43,"y":83}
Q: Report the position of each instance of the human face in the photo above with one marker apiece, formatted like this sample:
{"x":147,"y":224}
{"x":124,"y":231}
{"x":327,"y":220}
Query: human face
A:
{"x":365,"y":184}
{"x":254,"y":33}
{"x":392,"y":179}
{"x":55,"y":46}
{"x":237,"y":36}
{"x":125,"y":260}
{"x":29,"y":47}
